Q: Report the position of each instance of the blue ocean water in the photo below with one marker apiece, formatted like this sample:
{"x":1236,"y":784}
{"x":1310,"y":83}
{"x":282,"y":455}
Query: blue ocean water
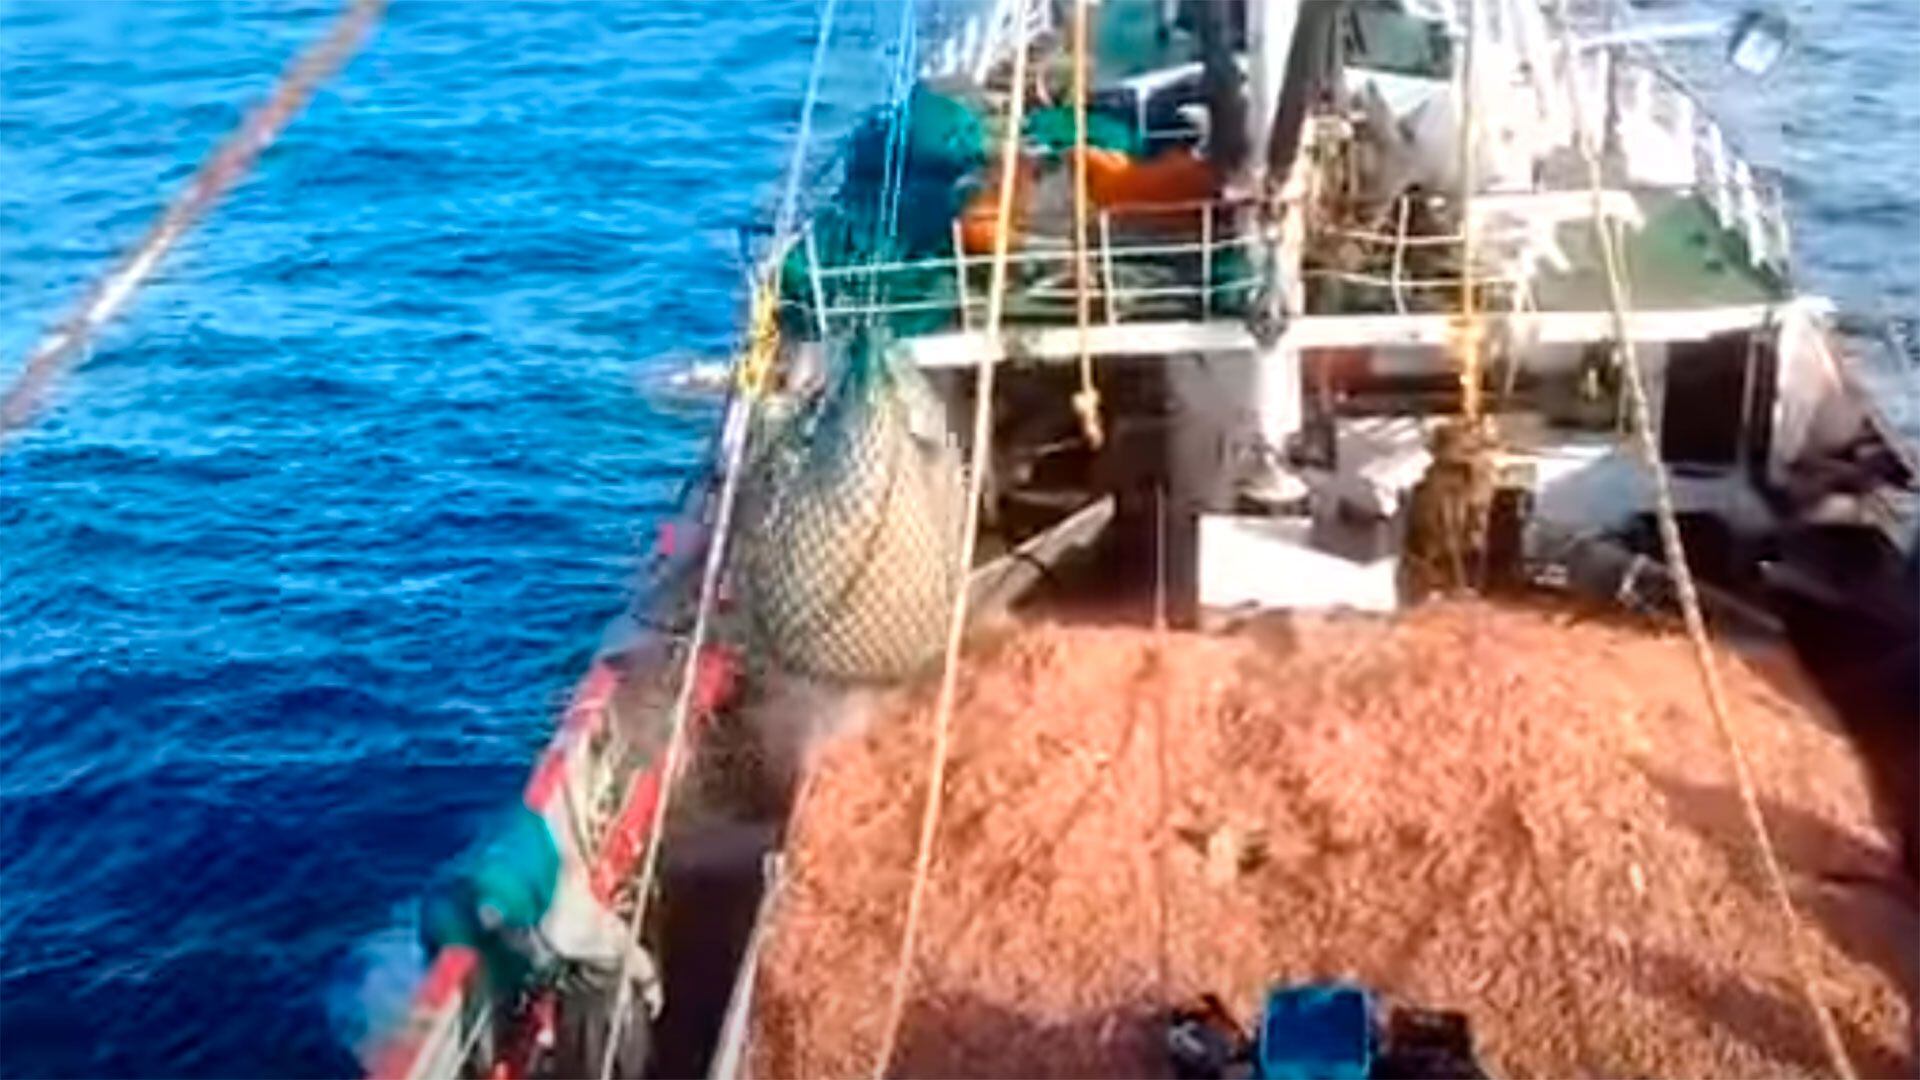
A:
{"x":296,"y":567}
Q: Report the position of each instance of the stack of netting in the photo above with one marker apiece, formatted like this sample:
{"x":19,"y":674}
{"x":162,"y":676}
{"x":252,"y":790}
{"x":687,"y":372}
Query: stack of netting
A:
{"x":903,"y":187}
{"x":849,"y":548}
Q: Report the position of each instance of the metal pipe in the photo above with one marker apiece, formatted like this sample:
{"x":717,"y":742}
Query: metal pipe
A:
{"x":813,"y":276}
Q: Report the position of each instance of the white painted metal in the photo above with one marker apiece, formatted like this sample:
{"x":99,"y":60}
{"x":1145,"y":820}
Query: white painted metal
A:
{"x":1268,"y":563}
{"x":1055,"y":343}
{"x":957,"y":349}
{"x":1270,"y":26}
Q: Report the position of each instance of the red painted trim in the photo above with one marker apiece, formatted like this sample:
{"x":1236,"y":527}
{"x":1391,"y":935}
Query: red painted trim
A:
{"x":448,"y":975}
{"x":627,"y":836}
{"x":594,"y":692}
{"x":547,"y":775}
{"x":714,"y":680}
{"x":716,"y":677}
{"x":451,"y":969}
{"x":584,"y":713}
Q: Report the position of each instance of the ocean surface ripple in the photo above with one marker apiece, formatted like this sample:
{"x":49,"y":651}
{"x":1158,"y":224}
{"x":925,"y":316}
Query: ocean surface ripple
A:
{"x":296,"y":567}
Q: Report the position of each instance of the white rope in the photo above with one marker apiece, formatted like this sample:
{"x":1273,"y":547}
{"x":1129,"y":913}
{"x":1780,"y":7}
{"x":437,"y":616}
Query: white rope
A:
{"x":733,"y":444}
{"x":957,"y":625}
{"x":1674,"y":551}
{"x":219,"y":172}
{"x":790,"y":201}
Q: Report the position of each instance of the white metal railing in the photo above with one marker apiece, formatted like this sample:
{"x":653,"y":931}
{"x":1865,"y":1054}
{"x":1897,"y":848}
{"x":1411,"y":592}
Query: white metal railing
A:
{"x":1743,"y":202}
{"x":1052,"y":258}
{"x":1672,"y":137}
{"x":1400,"y":241}
{"x":984,"y":37}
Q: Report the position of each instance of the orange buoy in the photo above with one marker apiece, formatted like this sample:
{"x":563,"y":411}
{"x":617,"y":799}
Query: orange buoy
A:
{"x":980,"y":219}
{"x":1150,"y":191}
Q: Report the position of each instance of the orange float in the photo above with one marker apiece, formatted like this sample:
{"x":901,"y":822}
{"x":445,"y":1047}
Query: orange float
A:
{"x":1173,"y":177}
{"x":980,"y":218}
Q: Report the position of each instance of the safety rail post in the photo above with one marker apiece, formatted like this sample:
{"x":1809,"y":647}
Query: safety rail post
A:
{"x":1400,"y":253}
{"x":1596,"y":79}
{"x":960,"y":276}
{"x":1747,"y":201}
{"x":1746,"y":212}
{"x":1206,"y":260}
{"x":1685,"y":121}
{"x":813,"y":276}
{"x":1106,"y":268}
{"x":1721,"y":189}
{"x":1640,"y":91}
{"x":1782,"y":235}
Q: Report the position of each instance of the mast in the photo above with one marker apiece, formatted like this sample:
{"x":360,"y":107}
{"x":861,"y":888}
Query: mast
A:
{"x":1270,"y":32}
{"x":1227,"y":115}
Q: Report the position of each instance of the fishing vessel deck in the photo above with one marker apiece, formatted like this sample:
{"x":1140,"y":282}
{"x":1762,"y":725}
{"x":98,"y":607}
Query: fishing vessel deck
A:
{"x":1307,"y":280}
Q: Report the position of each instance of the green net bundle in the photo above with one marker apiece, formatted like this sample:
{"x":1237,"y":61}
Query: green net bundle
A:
{"x":941,"y":140}
{"x":1052,"y":130}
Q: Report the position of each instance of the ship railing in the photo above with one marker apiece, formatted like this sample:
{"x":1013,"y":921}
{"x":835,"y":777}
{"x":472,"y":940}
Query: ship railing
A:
{"x":1673,"y":140}
{"x":983,"y":38}
{"x":1514,"y":289}
{"x":1205,"y":261}
{"x":1396,"y":281}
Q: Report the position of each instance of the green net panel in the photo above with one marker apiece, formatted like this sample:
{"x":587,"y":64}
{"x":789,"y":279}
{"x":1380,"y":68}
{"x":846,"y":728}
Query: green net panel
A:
{"x":1052,"y":130}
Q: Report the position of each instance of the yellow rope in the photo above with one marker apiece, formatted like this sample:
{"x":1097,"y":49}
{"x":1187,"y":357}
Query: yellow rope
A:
{"x":957,"y":625}
{"x":1469,"y":333}
{"x":763,"y":331}
{"x":1086,"y":403}
{"x":1674,"y":551}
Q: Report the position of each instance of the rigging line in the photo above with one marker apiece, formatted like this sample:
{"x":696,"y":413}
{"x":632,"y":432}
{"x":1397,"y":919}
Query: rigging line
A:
{"x":1468,"y":168}
{"x":893,"y":171}
{"x":217,"y":173}
{"x":901,"y":93}
{"x":957,"y":624}
{"x":796,"y":165}
{"x":1674,"y":551}
{"x":752,"y":369}
{"x":1086,"y":403}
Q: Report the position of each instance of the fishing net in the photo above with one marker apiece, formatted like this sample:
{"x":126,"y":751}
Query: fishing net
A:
{"x":1053,"y":130}
{"x":942,"y":136}
{"x":848,"y":557}
{"x":895,"y":208}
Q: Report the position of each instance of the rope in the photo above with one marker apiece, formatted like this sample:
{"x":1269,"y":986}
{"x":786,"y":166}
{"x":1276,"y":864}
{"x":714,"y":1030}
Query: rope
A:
{"x":1086,"y":403}
{"x":893,"y":172}
{"x":218,"y":173}
{"x":1674,"y":552}
{"x":790,"y":201}
{"x":1468,"y":167}
{"x":957,"y":625}
{"x":755,"y":364}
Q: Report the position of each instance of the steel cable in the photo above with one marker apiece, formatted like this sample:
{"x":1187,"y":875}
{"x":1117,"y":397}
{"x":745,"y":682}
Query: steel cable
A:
{"x":58,"y":350}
